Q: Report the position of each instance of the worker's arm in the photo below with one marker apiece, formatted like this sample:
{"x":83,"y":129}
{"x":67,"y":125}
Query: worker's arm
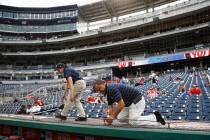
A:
{"x":65,"y":90}
{"x":113,"y":114}
{"x":70,"y":88}
{"x":119,"y":108}
{"x":110,"y":110}
{"x":117,"y":97}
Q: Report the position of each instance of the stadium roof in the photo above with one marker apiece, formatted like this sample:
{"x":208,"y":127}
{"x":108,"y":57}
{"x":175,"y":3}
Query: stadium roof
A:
{"x":38,"y":10}
{"x":103,"y":9}
{"x":106,"y":9}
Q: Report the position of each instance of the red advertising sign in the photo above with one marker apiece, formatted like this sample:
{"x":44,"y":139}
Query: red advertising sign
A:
{"x":197,"y":54}
{"x":125,"y":64}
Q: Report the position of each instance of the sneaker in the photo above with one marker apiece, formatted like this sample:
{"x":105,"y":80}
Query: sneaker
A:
{"x":60,"y":116}
{"x":159,"y":118}
{"x":81,"y":119}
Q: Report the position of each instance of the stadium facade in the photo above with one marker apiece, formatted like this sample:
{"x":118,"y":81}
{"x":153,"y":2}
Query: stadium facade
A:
{"x":180,"y":28}
{"x":37,"y":23}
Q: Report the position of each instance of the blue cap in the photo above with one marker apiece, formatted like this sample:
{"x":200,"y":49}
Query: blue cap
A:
{"x":60,"y":65}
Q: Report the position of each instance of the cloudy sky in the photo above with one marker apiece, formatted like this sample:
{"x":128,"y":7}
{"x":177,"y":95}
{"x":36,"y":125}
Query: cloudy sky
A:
{"x":48,"y":3}
{"x":44,"y":3}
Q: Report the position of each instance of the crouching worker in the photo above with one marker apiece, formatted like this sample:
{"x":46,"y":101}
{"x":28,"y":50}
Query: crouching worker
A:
{"x":130,"y":104}
{"x":75,"y":87}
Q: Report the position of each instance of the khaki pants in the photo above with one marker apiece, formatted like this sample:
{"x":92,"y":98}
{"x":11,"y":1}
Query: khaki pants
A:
{"x":133,"y":115}
{"x":79,"y":87}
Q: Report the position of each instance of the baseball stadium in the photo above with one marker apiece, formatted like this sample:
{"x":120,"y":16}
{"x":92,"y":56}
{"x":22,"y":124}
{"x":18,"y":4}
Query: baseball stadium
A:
{"x":105,"y":70}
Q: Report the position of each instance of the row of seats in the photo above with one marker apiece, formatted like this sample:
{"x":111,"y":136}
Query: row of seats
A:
{"x":172,"y":105}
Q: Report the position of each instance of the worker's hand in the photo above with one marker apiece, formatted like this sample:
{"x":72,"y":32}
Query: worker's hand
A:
{"x":109,"y":120}
{"x":72,"y":98}
{"x":62,"y":98}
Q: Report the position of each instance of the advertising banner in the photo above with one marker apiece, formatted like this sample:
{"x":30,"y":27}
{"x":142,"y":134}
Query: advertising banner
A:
{"x":161,"y":59}
{"x":197,"y":54}
{"x":152,"y":60}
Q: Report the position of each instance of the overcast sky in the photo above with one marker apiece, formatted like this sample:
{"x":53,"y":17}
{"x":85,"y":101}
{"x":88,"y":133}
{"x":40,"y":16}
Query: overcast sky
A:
{"x":44,"y":3}
{"x":48,"y":3}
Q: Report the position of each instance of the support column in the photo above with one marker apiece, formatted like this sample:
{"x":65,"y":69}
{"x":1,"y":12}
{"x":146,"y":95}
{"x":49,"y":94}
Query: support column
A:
{"x":88,"y":26}
{"x":147,"y":10}
{"x":117,"y":19}
{"x":153,"y":8}
{"x":111,"y":72}
{"x":186,"y":68}
{"x":26,"y":78}
{"x":201,"y":64}
{"x":55,"y":75}
{"x":11,"y":77}
{"x":111,"y":19}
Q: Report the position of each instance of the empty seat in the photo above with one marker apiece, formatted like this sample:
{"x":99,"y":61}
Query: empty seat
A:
{"x":178,"y":117}
{"x":207,"y":118}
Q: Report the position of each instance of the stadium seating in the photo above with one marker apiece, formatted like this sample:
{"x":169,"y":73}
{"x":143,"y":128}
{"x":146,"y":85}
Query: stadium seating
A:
{"x":172,"y":105}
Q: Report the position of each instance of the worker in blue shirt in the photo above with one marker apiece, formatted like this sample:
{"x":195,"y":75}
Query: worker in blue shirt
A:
{"x":75,"y":87}
{"x":130,"y":104}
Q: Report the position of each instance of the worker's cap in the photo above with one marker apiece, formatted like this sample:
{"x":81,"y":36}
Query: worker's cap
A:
{"x":60,"y":65}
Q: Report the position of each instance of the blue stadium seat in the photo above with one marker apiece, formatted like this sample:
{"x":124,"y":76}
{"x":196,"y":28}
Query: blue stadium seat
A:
{"x":194,"y":105}
{"x":179,"y":110}
{"x":169,"y":105}
{"x":181,"y":105}
{"x":178,"y":117}
{"x":194,"y":110}
{"x":166,"y":112}
{"x":207,"y":118}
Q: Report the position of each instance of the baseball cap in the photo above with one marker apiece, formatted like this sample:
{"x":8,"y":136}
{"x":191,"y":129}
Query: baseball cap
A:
{"x":60,"y":65}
